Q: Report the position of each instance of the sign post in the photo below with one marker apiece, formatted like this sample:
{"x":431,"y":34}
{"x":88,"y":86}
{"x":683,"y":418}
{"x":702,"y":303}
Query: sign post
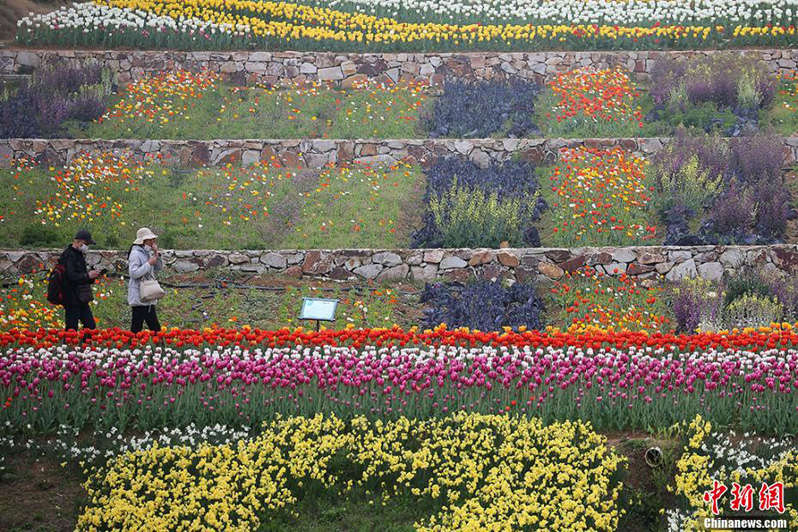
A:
{"x":319,"y":309}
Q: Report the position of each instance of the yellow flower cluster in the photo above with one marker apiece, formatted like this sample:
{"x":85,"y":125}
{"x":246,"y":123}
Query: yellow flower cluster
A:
{"x":697,"y":469}
{"x":290,"y":21}
{"x":489,"y":472}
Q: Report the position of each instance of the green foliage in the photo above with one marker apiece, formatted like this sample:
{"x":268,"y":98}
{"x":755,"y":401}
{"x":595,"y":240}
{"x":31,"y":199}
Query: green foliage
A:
{"x":690,"y":186}
{"x":698,"y":116}
{"x":745,"y":284}
{"x":472,"y":218}
{"x":111,"y":241}
{"x":39,"y":236}
{"x":752,"y":310}
{"x":748,"y":96}
{"x":359,"y":207}
{"x":230,"y":112}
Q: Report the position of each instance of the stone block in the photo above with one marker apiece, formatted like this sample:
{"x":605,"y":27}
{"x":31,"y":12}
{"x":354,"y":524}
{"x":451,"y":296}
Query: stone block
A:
{"x":426,"y":274}
{"x":369,"y":271}
{"x":480,"y":257}
{"x":679,"y":256}
{"x":274,"y":260}
{"x":394,"y":273}
{"x":550,"y":270}
{"x":615,"y":268}
{"x":712,"y":271}
{"x":387,"y":258}
{"x":624,"y":255}
{"x":185,"y":266}
{"x":330,"y":74}
{"x":316,"y":264}
{"x":651,"y":258}
{"x":682,"y":270}
{"x":449,"y":263}
{"x":508,"y":259}
{"x":433,"y":256}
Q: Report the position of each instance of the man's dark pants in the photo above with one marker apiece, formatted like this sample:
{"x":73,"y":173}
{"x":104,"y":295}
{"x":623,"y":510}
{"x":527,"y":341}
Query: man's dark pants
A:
{"x":81,"y":313}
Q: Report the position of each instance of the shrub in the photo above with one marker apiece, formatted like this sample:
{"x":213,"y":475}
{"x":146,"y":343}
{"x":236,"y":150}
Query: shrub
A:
{"x":38,"y":236}
{"x":57,"y":92}
{"x":732,"y":215}
{"x":784,"y":288}
{"x":469,"y":217}
{"x":720,"y":92}
{"x":483,"y":305}
{"x":704,"y":116}
{"x":750,"y":200}
{"x":691,"y":186}
{"x":772,"y":208}
{"x":16,"y":118}
{"x":697,"y":305}
{"x":745,"y":283}
{"x":511,"y":178}
{"x":757,"y":157}
{"x":747,"y":299}
{"x":510,"y":183}
{"x":728,"y":80}
{"x":478,"y":109}
{"x":752,"y":310}
{"x":712,"y":152}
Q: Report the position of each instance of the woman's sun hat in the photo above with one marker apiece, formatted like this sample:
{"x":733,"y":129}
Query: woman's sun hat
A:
{"x":142,"y":235}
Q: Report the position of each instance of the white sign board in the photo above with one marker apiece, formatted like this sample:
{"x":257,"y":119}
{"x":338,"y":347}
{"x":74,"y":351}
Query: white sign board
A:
{"x":314,"y":308}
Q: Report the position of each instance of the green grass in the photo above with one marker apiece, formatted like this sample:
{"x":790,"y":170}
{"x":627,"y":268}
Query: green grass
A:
{"x":783,"y":116}
{"x":221,"y":298}
{"x":360,"y":304}
{"x":354,"y":513}
{"x":229,"y":208}
{"x":367,"y":111}
{"x":361,"y":209}
{"x":229,"y":112}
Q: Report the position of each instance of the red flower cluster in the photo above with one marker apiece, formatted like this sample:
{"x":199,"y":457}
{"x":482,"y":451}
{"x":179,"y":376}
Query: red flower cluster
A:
{"x":754,"y":340}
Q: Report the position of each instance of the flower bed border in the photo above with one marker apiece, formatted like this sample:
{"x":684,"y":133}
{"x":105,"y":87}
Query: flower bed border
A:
{"x":519,"y":264}
{"x":317,"y":153}
{"x":347,"y":68}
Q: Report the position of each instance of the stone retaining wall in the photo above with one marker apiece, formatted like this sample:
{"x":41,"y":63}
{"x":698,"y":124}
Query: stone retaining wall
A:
{"x":319,"y":153}
{"x":524,"y":264}
{"x":278,"y":68}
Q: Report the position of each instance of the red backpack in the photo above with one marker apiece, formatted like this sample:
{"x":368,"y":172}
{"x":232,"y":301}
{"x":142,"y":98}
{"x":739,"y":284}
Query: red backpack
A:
{"x":55,"y":285}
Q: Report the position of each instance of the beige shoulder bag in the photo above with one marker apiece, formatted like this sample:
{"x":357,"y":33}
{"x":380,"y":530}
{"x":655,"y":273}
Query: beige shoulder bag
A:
{"x":150,"y":290}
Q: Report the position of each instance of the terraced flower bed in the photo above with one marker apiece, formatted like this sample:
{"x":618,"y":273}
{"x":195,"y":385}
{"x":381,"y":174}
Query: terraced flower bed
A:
{"x":721,"y":94}
{"x":697,"y":191}
{"x":463,"y":385}
{"x":235,"y":207}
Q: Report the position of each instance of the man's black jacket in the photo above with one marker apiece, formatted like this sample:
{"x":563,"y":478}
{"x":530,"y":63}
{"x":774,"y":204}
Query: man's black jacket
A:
{"x":76,"y":276}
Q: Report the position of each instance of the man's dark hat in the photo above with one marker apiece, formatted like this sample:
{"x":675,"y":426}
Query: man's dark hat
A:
{"x":84,"y":235}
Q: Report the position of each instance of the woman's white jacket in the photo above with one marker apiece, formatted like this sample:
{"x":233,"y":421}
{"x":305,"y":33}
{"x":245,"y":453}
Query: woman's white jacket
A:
{"x":139,"y":268}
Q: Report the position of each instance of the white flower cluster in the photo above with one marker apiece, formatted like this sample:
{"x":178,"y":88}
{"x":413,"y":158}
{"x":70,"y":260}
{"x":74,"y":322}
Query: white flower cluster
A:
{"x":89,"y":17}
{"x":68,"y":446}
{"x":611,"y":12}
{"x":732,"y":454}
{"x":113,"y":357}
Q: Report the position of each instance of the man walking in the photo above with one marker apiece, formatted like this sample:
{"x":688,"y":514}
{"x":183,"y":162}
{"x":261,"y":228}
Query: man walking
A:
{"x":77,"y":283}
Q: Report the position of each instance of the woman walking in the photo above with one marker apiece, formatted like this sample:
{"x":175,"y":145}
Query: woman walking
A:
{"x":143,"y":262}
